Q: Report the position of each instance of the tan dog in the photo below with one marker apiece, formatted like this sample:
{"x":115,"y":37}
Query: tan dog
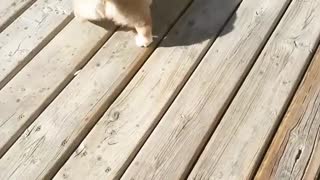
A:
{"x":132,"y":13}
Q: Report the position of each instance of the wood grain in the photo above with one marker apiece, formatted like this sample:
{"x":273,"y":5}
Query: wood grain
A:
{"x":29,"y":33}
{"x":174,"y":145}
{"x":34,"y":87}
{"x":52,"y":138}
{"x":240,"y":140}
{"x":294,"y":152}
{"x":11,"y":9}
{"x":115,"y":140}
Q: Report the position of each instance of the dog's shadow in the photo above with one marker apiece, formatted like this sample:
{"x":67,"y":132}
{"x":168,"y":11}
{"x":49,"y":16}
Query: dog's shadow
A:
{"x":203,"y":20}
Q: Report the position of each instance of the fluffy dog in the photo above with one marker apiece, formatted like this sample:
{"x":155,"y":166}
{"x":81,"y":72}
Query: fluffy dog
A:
{"x":131,"y":13}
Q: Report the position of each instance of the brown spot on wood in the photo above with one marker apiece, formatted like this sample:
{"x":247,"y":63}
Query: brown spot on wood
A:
{"x":38,"y":128}
{"x":111,"y":143}
{"x":64,"y":142}
{"x":107,"y":170}
{"x":112,"y":132}
{"x":116,"y":115}
{"x":298,"y":155}
{"x":21,"y":116}
{"x":99,"y":158}
{"x":65,"y":176}
{"x":18,"y":100}
{"x":84,"y":153}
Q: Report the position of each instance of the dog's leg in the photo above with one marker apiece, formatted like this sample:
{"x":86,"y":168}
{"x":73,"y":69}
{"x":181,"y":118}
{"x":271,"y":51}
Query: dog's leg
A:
{"x":144,"y":30}
{"x":144,"y":35}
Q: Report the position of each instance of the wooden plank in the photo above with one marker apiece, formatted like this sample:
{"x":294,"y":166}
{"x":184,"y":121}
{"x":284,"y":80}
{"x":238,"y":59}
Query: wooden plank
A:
{"x":176,"y":142}
{"x":313,"y":169}
{"x":26,"y":36}
{"x":11,"y":9}
{"x":46,"y":74}
{"x":239,"y":141}
{"x":55,"y":134}
{"x":294,"y":152}
{"x":137,"y":110}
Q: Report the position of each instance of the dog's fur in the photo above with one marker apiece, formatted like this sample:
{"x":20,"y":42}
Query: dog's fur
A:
{"x":132,"y":13}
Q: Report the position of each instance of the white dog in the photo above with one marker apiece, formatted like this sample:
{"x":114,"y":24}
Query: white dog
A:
{"x":132,"y":13}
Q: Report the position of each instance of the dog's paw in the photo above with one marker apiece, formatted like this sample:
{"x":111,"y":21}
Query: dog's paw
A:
{"x":143,"y":41}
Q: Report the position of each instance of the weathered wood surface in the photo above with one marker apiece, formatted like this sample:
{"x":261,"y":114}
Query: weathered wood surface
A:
{"x":115,"y":140}
{"x":51,"y":139}
{"x":29,"y":33}
{"x":294,"y":152}
{"x":34,"y":87}
{"x":240,"y":140}
{"x":11,"y":9}
{"x":178,"y":139}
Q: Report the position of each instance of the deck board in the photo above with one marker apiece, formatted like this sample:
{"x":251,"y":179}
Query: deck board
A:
{"x":54,"y":135}
{"x":295,"y":150}
{"x":29,"y":33}
{"x":239,"y":142}
{"x":11,"y":9}
{"x":158,"y":81}
{"x":176,"y":142}
{"x":47,"y":74}
{"x":82,"y":101}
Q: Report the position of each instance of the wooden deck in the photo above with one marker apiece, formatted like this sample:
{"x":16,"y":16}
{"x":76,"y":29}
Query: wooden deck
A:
{"x":228,"y":90}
